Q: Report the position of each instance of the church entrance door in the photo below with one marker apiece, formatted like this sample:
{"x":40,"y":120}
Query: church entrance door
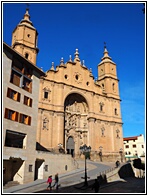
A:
{"x":70,"y":146}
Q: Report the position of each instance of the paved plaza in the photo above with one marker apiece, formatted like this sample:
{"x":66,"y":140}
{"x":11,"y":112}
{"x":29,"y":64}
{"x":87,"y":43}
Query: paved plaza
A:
{"x":73,"y":182}
{"x":129,"y":185}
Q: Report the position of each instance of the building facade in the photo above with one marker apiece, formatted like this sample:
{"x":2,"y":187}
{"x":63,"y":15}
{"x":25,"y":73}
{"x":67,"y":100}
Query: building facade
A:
{"x":74,"y":109}
{"x":23,"y":160}
{"x":134,"y":147}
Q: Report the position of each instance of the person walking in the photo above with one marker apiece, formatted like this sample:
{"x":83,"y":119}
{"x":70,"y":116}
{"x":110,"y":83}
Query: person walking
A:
{"x":49,"y":181}
{"x":117,"y":163}
{"x":96,"y":186}
{"x":56,"y":181}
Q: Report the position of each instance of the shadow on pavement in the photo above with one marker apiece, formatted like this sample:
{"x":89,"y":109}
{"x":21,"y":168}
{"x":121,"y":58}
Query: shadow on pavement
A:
{"x":128,"y":185}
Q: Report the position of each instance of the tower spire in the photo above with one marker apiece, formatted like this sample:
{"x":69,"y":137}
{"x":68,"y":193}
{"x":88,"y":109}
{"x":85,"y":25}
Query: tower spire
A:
{"x":25,"y":37}
{"x":26,"y":15}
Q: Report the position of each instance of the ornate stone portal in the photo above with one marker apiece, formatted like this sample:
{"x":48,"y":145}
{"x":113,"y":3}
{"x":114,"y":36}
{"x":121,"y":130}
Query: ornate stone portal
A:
{"x":76,"y":123}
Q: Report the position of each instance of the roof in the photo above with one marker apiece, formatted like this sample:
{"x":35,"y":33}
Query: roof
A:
{"x":130,"y":138}
{"x":21,"y":57}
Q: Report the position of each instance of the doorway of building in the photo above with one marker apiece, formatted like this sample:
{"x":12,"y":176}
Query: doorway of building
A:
{"x":39,"y":168}
{"x":70,"y":147}
{"x":75,"y":122}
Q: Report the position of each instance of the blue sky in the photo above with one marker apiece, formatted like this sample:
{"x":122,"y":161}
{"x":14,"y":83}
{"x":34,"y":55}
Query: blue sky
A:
{"x":63,"y":27}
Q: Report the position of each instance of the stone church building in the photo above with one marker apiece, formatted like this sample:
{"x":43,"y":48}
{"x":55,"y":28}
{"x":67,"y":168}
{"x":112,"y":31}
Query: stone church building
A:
{"x":74,"y":109}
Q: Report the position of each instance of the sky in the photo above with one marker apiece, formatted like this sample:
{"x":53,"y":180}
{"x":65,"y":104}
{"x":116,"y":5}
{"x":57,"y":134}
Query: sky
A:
{"x":63,"y":27}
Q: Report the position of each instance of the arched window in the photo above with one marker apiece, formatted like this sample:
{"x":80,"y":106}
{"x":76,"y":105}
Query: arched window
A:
{"x":115,"y":111}
{"x":26,"y":55}
{"x":113,"y":86}
{"x":101,"y":106}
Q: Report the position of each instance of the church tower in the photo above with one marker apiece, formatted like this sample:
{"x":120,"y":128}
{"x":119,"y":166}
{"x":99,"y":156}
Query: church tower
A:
{"x":24,"y":39}
{"x":107,"y":76}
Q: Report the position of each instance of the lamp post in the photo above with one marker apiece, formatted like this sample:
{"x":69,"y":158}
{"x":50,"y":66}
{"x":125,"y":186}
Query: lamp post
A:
{"x":100,"y":153}
{"x":85,"y":149}
{"x":60,"y":147}
{"x":121,"y":152}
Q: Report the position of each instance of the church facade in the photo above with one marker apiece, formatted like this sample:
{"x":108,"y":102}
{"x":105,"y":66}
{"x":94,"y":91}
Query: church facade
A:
{"x":74,"y":109}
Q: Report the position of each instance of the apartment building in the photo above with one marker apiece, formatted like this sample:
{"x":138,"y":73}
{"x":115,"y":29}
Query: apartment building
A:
{"x":134,"y":147}
{"x":24,"y":160}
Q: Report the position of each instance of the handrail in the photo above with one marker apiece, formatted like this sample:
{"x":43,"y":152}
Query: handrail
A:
{"x":19,"y":175}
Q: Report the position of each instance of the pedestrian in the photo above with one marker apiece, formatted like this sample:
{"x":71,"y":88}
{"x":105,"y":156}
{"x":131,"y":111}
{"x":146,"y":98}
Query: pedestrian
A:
{"x":49,"y":181}
{"x":56,"y":181}
{"x":117,"y":163}
{"x":96,"y":186}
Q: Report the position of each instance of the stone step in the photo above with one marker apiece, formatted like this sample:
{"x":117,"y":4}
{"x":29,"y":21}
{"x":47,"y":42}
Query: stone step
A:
{"x":11,"y":183}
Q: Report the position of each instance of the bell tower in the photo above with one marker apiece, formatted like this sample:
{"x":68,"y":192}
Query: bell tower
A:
{"x":24,"y":39}
{"x":107,"y":76}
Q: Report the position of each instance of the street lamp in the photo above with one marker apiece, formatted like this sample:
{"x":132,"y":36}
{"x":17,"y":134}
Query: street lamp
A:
{"x":100,"y":153}
{"x":60,"y":147}
{"x":84,"y":150}
{"x":121,"y":152}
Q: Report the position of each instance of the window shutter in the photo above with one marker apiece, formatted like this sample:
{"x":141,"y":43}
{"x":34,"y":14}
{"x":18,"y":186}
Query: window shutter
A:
{"x":29,"y":121}
{"x":18,"y":97}
{"x":30,"y":102}
{"x":25,"y":100}
{"x":6,"y":113}
{"x":8,"y":92}
{"x":16,"y":116}
{"x":20,"y":118}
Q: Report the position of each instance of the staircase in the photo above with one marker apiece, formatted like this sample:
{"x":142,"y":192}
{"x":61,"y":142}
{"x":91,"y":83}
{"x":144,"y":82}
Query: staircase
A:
{"x":10,"y":184}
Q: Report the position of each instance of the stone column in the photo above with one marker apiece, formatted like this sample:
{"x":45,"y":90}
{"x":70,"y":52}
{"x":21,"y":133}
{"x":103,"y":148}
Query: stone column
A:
{"x":91,"y":133}
{"x":51,"y":116}
{"x":60,"y":128}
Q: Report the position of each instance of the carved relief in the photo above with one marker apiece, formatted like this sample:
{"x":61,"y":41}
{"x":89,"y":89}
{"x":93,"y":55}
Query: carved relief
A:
{"x":45,"y":123}
{"x":102,"y":132}
{"x":76,"y":112}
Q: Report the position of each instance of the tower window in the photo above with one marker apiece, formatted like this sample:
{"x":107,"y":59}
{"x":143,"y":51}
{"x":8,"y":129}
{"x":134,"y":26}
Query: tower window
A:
{"x":101,"y":106}
{"x":28,"y":35}
{"x":115,"y":111}
{"x":26,"y":55}
{"x":113,"y":86}
{"x":46,"y":95}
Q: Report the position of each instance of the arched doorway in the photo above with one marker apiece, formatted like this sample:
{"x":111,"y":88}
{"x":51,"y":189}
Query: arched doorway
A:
{"x":70,"y":146}
{"x":75,"y":122}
